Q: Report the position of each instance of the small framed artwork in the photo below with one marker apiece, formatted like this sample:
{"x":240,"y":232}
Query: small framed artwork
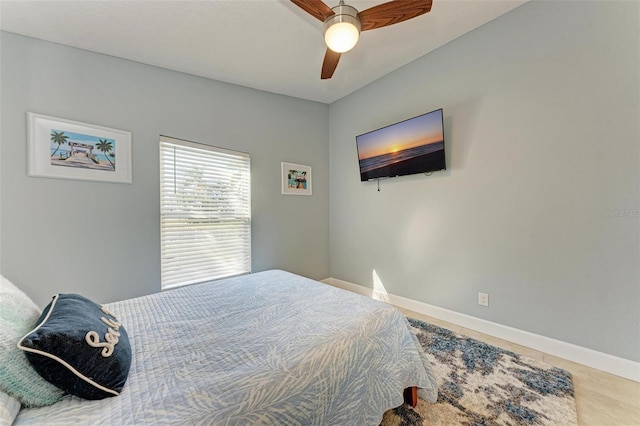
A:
{"x":296,"y":179}
{"x":66,"y":149}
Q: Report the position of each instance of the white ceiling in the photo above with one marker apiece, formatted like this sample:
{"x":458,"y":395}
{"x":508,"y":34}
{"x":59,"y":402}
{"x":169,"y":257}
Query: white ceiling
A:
{"x":270,"y":45}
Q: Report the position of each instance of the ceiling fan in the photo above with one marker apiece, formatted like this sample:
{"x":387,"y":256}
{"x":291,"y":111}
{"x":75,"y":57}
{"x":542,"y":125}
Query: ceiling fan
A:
{"x":343,"y":23}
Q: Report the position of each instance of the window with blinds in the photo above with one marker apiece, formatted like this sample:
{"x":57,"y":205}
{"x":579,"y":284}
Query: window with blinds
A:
{"x":205,"y":212}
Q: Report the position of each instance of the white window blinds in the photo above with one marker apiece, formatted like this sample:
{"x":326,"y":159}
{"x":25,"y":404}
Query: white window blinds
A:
{"x":205,"y":212}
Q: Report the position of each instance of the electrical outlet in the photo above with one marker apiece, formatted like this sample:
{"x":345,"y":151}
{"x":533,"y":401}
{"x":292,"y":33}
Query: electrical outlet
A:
{"x":483,"y":299}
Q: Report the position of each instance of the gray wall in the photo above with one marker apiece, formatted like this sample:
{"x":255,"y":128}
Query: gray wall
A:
{"x":540,"y":204}
{"x":538,"y":207}
{"x":103,"y":239}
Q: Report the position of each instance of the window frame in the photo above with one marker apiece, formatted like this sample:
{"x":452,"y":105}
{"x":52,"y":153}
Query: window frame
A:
{"x":205,"y":201}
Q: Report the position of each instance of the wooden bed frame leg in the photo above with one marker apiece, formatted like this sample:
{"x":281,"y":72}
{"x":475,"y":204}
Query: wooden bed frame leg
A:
{"x":411,"y":396}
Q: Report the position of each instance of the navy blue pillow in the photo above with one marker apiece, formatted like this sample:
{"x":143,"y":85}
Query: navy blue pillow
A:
{"x":80,"y":347}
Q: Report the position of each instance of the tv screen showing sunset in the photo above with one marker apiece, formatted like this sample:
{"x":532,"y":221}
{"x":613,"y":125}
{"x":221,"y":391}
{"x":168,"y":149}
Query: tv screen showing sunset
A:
{"x":411,"y":146}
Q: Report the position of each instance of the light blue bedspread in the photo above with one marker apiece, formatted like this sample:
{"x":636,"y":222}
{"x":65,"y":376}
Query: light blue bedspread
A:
{"x":269,"y":348}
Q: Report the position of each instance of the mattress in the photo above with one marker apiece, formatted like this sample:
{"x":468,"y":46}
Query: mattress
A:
{"x":265,"y":348}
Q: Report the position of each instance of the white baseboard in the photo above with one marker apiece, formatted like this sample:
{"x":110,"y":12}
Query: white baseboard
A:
{"x":594,"y":359}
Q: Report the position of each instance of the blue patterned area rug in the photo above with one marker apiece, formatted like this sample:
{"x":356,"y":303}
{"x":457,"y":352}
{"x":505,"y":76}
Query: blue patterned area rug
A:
{"x":480,"y":384}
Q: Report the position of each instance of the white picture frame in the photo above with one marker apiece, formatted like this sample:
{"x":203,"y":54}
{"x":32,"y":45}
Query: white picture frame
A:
{"x":66,"y":149}
{"x":296,"y":179}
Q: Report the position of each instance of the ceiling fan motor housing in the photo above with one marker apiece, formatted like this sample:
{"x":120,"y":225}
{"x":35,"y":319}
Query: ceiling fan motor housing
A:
{"x":345,"y":18}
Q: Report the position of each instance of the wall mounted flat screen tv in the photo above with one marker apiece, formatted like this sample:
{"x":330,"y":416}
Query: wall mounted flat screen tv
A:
{"x":409,"y":147}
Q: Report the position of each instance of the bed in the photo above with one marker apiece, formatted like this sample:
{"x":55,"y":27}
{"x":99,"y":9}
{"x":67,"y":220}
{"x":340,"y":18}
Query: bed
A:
{"x":264,"y":348}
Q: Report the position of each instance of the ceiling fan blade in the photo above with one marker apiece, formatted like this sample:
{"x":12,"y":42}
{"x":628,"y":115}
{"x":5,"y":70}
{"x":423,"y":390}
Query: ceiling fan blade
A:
{"x":330,"y":63}
{"x":315,"y":8}
{"x":392,"y":12}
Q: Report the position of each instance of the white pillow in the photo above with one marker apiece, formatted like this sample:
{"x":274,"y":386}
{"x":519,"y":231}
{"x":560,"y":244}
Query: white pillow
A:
{"x":18,"y":315}
{"x":9,"y":409}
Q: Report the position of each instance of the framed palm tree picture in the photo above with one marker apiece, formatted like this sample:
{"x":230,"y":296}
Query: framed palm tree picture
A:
{"x":66,"y":149}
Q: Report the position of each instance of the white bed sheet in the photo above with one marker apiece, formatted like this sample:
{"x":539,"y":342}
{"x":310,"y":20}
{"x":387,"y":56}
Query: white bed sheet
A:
{"x":266,"y":348}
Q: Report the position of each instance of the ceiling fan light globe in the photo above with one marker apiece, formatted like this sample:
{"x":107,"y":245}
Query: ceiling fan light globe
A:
{"x":341,"y":36}
{"x":342,"y":29}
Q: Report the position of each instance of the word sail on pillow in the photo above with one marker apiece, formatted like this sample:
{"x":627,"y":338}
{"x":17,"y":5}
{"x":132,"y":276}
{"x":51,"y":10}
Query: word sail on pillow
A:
{"x":80,"y":347}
